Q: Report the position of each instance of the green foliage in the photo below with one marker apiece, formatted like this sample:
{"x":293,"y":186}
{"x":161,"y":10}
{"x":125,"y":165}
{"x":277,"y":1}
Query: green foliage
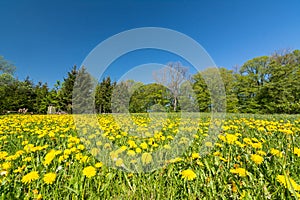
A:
{"x":65,"y":93}
{"x":6,"y":67}
{"x":103,"y":95}
{"x":83,"y":96}
{"x":265,"y":84}
{"x":150,"y":98}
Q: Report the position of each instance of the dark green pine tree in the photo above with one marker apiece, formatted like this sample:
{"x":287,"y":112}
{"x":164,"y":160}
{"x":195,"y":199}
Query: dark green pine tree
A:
{"x":103,"y":95}
{"x":83,"y":101}
{"x":65,"y":92}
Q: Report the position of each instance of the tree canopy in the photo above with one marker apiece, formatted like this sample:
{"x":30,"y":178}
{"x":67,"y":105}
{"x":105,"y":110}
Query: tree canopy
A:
{"x":265,"y":84}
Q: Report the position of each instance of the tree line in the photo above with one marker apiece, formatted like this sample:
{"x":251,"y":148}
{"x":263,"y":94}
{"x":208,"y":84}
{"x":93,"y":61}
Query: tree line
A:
{"x":265,"y":84}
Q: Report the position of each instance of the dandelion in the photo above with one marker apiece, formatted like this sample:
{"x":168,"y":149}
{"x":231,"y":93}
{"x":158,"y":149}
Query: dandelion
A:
{"x":84,"y":159}
{"x":119,"y":162}
{"x":200,"y":163}
{"x":30,"y":177}
{"x":297,"y":151}
{"x":39,"y":197}
{"x":20,"y":169}
{"x":27,"y":159}
{"x":247,"y":140}
{"x":49,"y":178}
{"x":276,"y":152}
{"x":188,"y":174}
{"x":89,"y":171}
{"x":243,"y":195}
{"x":195,"y":155}
{"x":217,"y":153}
{"x":257,"y":145}
{"x":223,"y":159}
{"x":132,"y":144}
{"x":49,"y":157}
{"x":262,"y":153}
{"x":6,"y":165}
{"x":35,"y":191}
{"x":288,"y":183}
{"x":257,"y":159}
{"x":3,"y":154}
{"x":146,"y":158}
{"x":240,"y":171}
{"x":131,"y":153}
{"x":138,"y":150}
{"x":80,"y":147}
{"x":230,"y":138}
{"x":175,"y":160}
{"x":208,"y":144}
{"x":99,"y":164}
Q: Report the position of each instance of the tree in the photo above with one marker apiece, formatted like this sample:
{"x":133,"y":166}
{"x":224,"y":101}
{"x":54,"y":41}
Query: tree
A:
{"x":209,"y":89}
{"x":254,"y":74}
{"x":120,"y":98}
{"x":65,"y":93}
{"x":103,"y":95}
{"x":42,"y":100}
{"x":187,"y":98}
{"x":172,"y":76}
{"x":6,"y":67}
{"x":7,"y":82}
{"x":150,"y":98}
{"x":230,"y":84}
{"x":281,"y":94}
{"x":83,"y":96}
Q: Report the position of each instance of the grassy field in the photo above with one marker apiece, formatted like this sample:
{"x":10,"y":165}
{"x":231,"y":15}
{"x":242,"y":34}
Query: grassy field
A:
{"x":160,"y":157}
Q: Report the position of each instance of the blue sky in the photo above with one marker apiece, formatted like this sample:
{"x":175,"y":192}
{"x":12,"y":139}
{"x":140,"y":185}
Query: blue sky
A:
{"x":44,"y":39}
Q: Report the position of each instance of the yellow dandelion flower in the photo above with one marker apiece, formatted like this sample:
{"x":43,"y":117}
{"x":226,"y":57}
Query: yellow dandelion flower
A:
{"x":276,"y":152}
{"x":39,"y":197}
{"x":288,"y":183}
{"x":257,"y":158}
{"x":177,"y":159}
{"x":208,"y":144}
{"x":132,"y":144}
{"x":138,"y":150}
{"x":99,"y":164}
{"x":146,"y":158}
{"x":119,"y":162}
{"x":131,"y":153}
{"x":20,"y":169}
{"x":217,"y":153}
{"x":84,"y":159}
{"x":188,"y":174}
{"x":3,"y":154}
{"x":240,"y":171}
{"x":49,"y":157}
{"x":200,"y":163}
{"x":30,"y":177}
{"x":89,"y":171}
{"x":6,"y":165}
{"x":230,"y":138}
{"x":195,"y":155}
{"x":49,"y":178}
{"x":297,"y":151}
{"x":262,"y":153}
{"x":27,"y":159}
{"x":257,"y":145}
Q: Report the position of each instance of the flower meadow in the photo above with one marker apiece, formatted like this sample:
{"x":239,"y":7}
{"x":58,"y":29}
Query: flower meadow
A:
{"x":55,"y":157}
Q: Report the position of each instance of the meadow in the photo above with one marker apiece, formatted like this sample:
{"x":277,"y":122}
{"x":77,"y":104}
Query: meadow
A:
{"x":53,"y":157}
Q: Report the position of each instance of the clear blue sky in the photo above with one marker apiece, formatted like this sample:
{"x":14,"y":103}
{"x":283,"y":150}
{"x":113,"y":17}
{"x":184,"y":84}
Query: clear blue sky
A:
{"x":44,"y":39}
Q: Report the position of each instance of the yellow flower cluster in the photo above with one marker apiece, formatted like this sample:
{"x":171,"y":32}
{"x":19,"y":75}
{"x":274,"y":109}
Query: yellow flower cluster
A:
{"x":42,"y":150}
